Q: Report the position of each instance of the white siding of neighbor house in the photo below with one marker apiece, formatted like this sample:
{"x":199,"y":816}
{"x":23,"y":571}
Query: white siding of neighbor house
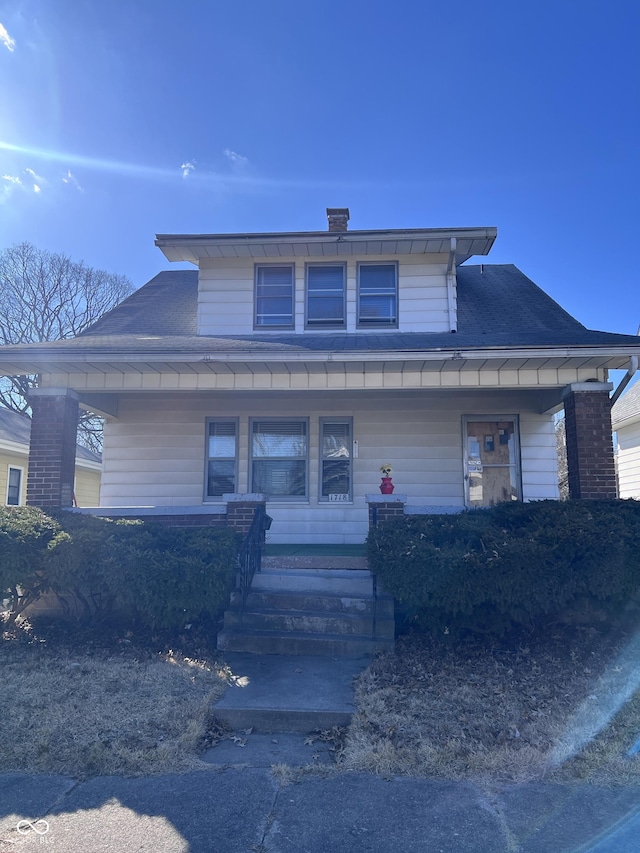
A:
{"x":628,"y":461}
{"x":154,"y":452}
{"x":226,"y":305}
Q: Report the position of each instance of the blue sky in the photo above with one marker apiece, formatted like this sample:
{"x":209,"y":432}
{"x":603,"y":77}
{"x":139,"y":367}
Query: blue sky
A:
{"x":125,"y":119}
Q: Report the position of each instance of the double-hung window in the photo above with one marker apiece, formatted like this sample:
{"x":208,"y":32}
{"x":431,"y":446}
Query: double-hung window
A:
{"x":222,"y":457}
{"x":335,"y":461}
{"x":325,"y":296}
{"x":14,"y":486}
{"x":279,"y":458}
{"x":377,"y":295}
{"x":274,"y":296}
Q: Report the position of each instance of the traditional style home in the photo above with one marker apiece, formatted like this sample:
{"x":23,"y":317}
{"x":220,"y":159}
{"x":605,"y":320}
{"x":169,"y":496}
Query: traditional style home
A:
{"x":15,"y":430}
{"x":292,"y":367}
{"x":625,"y":416}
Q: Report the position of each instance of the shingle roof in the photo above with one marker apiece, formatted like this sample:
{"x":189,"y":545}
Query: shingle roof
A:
{"x":166,"y":305}
{"x":628,"y":406}
{"x":498,"y":307}
{"x":17,"y":428}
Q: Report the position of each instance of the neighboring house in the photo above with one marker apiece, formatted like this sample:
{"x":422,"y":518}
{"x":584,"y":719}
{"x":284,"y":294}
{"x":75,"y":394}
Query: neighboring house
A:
{"x":625,"y":416}
{"x":293,"y":365}
{"x":15,"y":430}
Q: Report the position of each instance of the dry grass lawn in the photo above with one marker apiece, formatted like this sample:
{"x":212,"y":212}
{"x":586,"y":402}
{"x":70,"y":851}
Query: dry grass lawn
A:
{"x":563,"y":705}
{"x":91,"y":710}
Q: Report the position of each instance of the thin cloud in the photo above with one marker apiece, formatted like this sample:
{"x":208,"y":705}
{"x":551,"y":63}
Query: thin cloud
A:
{"x":236,"y":159}
{"x":13,"y":179}
{"x":37,"y":180}
{"x":72,"y":181}
{"x":187,"y":168}
{"x":238,"y":179}
{"x":6,"y":39}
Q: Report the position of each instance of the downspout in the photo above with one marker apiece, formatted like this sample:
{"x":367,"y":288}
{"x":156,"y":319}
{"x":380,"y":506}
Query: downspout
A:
{"x":626,"y":379}
{"x":451,"y":287}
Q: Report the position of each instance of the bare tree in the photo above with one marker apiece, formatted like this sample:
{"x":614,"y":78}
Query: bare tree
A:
{"x":561,"y":449}
{"x":45,"y":296}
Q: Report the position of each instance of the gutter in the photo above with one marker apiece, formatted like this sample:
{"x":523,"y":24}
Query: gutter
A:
{"x":626,"y":379}
{"x":451,"y":286}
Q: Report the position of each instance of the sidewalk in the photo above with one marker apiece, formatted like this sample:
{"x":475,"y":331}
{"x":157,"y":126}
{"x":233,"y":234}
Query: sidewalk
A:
{"x":245,"y":810}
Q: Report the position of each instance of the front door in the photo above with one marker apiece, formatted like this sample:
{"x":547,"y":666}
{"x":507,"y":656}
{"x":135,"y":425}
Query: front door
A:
{"x":492,"y":467}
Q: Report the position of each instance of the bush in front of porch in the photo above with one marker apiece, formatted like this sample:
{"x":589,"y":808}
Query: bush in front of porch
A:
{"x":159,"y":576}
{"x":513,"y":564}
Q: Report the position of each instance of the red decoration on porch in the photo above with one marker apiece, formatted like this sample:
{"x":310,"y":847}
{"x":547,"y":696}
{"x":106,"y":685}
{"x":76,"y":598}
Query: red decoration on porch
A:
{"x":386,"y":486}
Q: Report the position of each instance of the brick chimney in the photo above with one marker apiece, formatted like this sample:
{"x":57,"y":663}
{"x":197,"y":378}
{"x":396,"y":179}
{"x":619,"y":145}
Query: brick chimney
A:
{"x":338,"y":218}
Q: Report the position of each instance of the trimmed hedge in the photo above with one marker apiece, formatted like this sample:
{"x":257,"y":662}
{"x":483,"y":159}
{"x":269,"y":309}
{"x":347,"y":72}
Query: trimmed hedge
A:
{"x":513,"y":564}
{"x":162,"y":577}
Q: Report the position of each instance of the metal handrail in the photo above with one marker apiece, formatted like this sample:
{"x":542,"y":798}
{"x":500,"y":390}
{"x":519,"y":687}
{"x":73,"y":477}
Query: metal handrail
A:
{"x":250,"y":555}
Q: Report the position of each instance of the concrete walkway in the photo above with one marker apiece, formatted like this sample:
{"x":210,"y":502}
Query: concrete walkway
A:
{"x":289,"y":693}
{"x":248,"y":811}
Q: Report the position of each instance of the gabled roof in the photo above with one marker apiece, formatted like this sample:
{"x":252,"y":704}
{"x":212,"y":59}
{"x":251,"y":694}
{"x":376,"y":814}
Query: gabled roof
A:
{"x":16,"y":429}
{"x":628,"y":406}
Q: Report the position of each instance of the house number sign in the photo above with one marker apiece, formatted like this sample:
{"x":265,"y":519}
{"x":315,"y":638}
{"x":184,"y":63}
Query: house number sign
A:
{"x":338,"y":497}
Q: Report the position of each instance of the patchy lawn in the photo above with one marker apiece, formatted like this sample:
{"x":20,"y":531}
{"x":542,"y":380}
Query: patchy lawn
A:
{"x":120,"y":706}
{"x":511,"y":711}
{"x":562,"y":705}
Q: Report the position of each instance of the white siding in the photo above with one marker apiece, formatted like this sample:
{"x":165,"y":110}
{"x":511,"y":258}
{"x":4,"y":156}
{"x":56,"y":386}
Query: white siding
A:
{"x":226,"y":305}
{"x":154,"y":452}
{"x":628,"y":459}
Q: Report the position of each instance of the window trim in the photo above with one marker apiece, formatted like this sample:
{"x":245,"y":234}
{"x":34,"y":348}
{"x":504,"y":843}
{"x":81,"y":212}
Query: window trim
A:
{"x":285,"y":420}
{"x":369,"y":325}
{"x":333,"y":325}
{"x":261,"y":327}
{"x":20,"y":470}
{"x":214,"y":420}
{"x":338,"y":419}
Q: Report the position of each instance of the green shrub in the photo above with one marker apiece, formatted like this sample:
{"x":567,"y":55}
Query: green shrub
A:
{"x":25,"y":533}
{"x":162,"y":577}
{"x":516,"y":563}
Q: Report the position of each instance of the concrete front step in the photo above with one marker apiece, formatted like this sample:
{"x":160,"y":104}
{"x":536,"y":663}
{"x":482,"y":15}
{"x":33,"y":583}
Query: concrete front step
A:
{"x":244,"y":639}
{"x":328,"y":581}
{"x":297,"y":563}
{"x":319,"y":602}
{"x":273,"y":693}
{"x":306,"y":622}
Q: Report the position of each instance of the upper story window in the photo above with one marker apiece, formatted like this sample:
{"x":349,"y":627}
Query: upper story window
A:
{"x":377,"y":295}
{"x":274,"y":296}
{"x":325,"y":296}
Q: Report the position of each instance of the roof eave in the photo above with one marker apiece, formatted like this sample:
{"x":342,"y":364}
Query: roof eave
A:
{"x":45,"y":361}
{"x":193,"y":247}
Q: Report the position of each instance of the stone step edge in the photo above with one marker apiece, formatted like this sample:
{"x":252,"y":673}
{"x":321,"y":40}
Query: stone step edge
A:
{"x":243,"y":630}
{"x":281,"y":719}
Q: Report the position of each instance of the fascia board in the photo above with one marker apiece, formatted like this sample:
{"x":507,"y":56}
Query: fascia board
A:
{"x":197,"y":356}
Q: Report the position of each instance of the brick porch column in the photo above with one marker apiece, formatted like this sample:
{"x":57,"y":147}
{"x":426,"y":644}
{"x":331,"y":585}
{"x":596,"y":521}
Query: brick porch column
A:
{"x":587,"y":411}
{"x":52,"y":450}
